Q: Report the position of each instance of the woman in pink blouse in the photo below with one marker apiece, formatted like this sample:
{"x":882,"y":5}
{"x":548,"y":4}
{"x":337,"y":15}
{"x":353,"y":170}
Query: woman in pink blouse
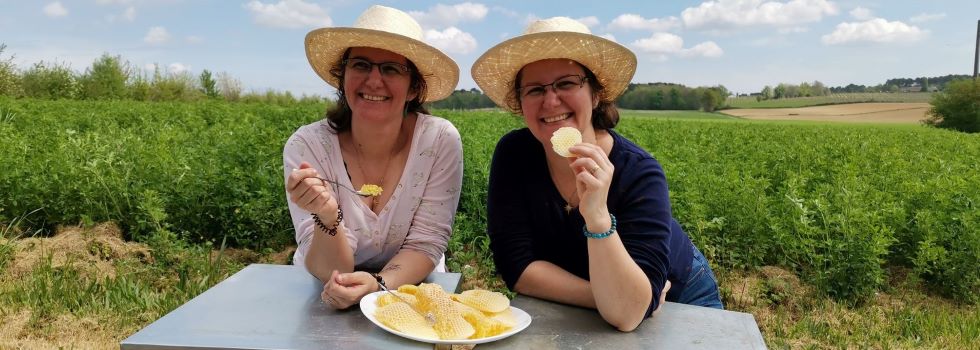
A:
{"x":378,"y":134}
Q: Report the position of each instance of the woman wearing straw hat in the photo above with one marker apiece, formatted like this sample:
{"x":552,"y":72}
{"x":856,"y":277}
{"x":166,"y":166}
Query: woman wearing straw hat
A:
{"x":594,"y":229}
{"x":378,"y":138}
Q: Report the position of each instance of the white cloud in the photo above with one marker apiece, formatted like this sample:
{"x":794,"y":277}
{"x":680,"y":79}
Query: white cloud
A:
{"x":451,"y":40}
{"x":726,"y":14}
{"x":111,"y":2}
{"x":663,"y":44}
{"x":506,"y":12}
{"x":194,"y":39}
{"x":55,"y":10}
{"x":157,"y":35}
{"x":288,"y":14}
{"x":631,"y":21}
{"x":926,"y":17}
{"x":442,"y":16}
{"x":609,"y":36}
{"x":876,"y":30}
{"x":705,"y":49}
{"x":177,"y":68}
{"x":590,"y":21}
{"x":129,"y":14}
{"x":861,"y":13}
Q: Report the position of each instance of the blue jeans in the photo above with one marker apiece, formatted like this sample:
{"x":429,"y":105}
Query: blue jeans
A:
{"x":702,"y":287}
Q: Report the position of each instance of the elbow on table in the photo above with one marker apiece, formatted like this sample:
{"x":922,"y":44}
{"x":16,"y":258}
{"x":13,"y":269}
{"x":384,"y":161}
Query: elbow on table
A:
{"x":624,"y":322}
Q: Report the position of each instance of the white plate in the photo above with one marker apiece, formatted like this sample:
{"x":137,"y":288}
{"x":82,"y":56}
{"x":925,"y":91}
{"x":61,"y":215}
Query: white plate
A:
{"x":368,"y":306}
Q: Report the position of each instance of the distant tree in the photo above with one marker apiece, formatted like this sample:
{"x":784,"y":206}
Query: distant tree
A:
{"x":925,"y":84}
{"x":710,"y":99}
{"x":805,"y":90}
{"x":50,"y":81}
{"x":819,"y":89}
{"x":891,"y":88}
{"x":766,"y":93}
{"x":230,"y":88}
{"x":780,"y":91}
{"x":9,"y":81}
{"x":957,"y":107}
{"x":208,"y":85}
{"x":674,"y":101}
{"x":106,"y":79}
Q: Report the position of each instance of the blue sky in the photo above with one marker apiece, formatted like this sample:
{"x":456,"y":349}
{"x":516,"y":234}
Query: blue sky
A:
{"x":742,"y":44}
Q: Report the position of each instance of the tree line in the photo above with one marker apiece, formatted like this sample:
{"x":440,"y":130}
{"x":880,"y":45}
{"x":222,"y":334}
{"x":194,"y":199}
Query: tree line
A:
{"x":111,"y":78}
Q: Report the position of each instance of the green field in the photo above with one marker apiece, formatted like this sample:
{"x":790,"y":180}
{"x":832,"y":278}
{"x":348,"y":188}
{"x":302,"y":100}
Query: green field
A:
{"x":874,"y":228}
{"x":796,"y":102}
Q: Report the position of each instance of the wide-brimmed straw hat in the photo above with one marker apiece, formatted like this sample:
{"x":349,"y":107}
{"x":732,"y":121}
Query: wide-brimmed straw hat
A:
{"x":557,"y":37}
{"x":389,"y":29}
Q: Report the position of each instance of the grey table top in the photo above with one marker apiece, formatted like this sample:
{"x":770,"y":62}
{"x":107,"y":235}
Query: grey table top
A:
{"x":677,"y":326}
{"x":279,"y":307}
{"x":270,"y":307}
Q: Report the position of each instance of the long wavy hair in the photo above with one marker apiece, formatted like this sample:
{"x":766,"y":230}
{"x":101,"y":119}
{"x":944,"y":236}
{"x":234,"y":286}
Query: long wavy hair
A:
{"x":339,"y":117}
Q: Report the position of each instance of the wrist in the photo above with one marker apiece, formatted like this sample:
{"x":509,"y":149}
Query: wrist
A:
{"x":599,"y":222}
{"x":328,"y":226}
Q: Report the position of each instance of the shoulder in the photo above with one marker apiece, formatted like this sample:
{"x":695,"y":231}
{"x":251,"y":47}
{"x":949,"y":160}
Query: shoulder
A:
{"x":438,"y":131}
{"x":516,"y":139}
{"x":318,"y":130}
{"x":632,"y":162}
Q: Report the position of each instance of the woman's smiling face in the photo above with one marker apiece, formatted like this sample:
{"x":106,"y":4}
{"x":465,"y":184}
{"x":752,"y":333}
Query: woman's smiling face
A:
{"x":553,"y":94}
{"x":380,"y":92}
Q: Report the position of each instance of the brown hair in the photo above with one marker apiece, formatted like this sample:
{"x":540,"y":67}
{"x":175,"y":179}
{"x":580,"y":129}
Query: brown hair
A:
{"x":604,"y":116}
{"x":339,"y":117}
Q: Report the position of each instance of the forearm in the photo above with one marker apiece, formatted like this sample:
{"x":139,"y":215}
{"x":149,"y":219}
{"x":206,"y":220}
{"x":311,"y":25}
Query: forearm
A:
{"x":406,"y":267}
{"x":328,"y":253}
{"x":542,"y":279}
{"x":618,"y":284}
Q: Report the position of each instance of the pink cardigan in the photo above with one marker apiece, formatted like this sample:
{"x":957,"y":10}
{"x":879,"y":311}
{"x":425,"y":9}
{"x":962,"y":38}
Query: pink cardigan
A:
{"x":419,"y":215}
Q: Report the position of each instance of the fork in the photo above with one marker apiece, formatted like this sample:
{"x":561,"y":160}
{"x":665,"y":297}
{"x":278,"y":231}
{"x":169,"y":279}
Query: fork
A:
{"x":428,"y":316}
{"x":359,"y":193}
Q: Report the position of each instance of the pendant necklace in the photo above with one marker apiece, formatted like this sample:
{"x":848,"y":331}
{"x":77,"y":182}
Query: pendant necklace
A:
{"x":379,"y":187}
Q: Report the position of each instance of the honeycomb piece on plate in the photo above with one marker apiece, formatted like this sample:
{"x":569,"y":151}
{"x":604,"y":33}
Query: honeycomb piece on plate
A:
{"x":401,"y":317}
{"x":505,"y":317}
{"x":450,"y":324}
{"x":409,"y":289}
{"x":484,"y":300}
{"x":484,"y":326}
{"x":564,"y":138}
{"x":388,"y":298}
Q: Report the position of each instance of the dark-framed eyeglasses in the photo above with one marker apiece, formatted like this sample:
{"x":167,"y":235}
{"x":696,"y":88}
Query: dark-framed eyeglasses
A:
{"x":561,"y":86}
{"x":387,"y":69}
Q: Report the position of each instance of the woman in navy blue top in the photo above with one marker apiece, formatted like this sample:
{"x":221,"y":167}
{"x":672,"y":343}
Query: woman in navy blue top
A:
{"x":594,"y":229}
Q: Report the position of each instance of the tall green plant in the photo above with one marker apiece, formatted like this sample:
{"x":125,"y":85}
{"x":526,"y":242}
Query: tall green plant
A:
{"x":957,"y":107}
{"x":106,"y":79}
{"x":9,"y":81}
{"x":50,"y":81}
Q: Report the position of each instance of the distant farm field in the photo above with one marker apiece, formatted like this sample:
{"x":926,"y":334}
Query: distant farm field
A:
{"x":856,"y":97}
{"x":908,"y":113}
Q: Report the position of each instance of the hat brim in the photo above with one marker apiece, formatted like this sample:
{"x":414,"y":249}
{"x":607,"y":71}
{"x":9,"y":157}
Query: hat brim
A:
{"x":612,"y":63}
{"x":326,"y":46}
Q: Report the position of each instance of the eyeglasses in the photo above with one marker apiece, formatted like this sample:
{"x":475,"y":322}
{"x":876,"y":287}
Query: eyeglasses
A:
{"x":388,"y":69}
{"x":563,"y":86}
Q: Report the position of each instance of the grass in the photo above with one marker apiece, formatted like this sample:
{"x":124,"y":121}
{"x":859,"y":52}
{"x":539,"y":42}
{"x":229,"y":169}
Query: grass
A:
{"x":685,"y":115}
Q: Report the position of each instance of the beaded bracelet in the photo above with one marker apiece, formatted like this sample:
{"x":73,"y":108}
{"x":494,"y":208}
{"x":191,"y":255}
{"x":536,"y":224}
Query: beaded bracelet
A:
{"x":585,"y":230}
{"x":336,"y":224}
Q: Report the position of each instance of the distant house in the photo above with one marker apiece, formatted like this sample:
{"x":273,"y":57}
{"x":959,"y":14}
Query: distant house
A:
{"x":913,"y":88}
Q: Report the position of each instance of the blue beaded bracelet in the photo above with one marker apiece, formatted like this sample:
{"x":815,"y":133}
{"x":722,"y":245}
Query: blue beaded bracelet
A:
{"x":585,"y":230}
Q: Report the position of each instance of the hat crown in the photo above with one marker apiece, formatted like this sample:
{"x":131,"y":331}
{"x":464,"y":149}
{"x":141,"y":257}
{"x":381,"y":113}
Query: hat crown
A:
{"x":556,"y":24}
{"x":387,"y":19}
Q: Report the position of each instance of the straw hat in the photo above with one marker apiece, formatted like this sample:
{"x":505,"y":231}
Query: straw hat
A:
{"x":389,"y":29}
{"x":556,"y":37}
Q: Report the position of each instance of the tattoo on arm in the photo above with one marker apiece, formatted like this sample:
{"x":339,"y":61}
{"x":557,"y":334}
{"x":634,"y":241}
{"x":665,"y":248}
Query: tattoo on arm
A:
{"x":394,"y":267}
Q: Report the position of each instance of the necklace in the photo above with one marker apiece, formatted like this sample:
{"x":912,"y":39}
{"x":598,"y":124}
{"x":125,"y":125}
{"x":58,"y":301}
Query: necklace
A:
{"x":568,"y":202}
{"x":357,"y":151}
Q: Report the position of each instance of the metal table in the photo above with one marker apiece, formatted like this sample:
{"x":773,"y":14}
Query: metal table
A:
{"x":279,"y":307}
{"x":677,"y":326}
{"x":270,"y":307}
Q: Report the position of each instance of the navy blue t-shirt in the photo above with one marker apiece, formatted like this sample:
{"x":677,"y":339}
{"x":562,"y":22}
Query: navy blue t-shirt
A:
{"x":527,"y":220}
